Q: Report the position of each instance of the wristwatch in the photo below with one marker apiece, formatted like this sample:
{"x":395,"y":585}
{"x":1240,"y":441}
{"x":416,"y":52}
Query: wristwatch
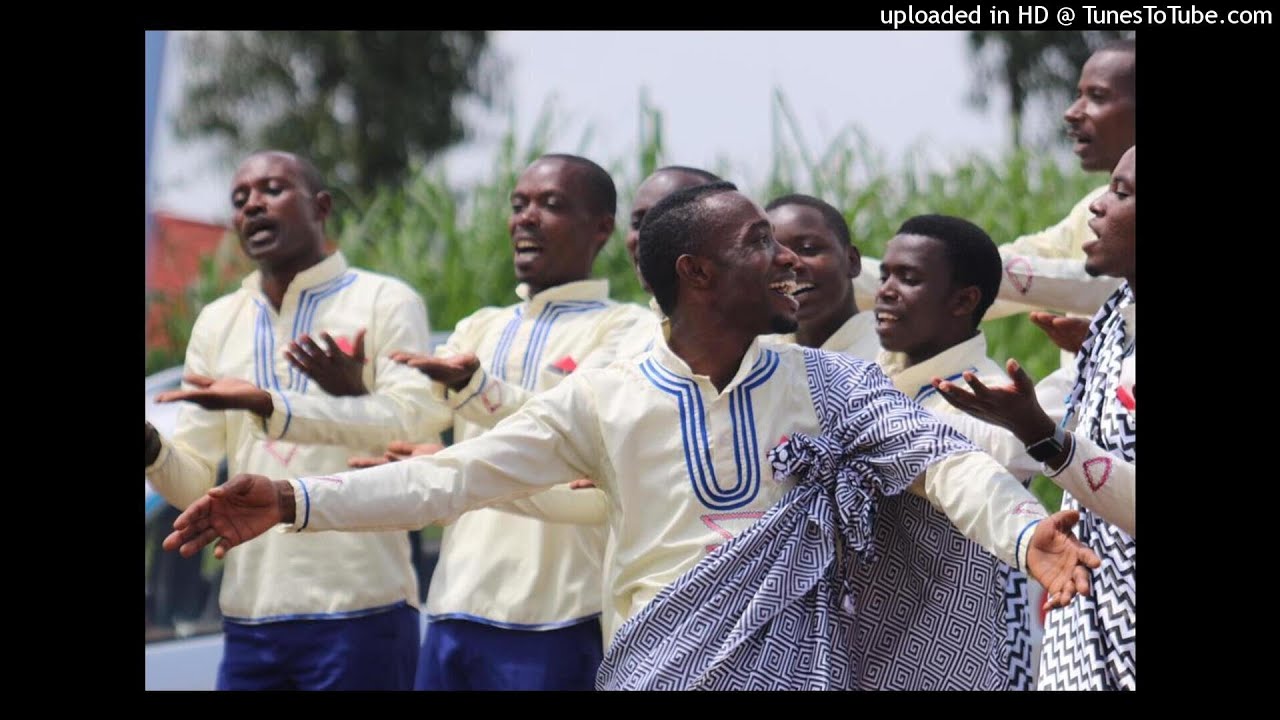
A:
{"x":1048,"y":448}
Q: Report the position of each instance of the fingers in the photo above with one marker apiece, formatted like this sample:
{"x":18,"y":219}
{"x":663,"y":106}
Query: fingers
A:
{"x":297,"y":361}
{"x":1089,"y":557}
{"x":401,"y":447}
{"x":364,"y":461}
{"x":1042,"y":320}
{"x":426,"y":449}
{"x":1081,"y":578}
{"x":314,"y":348}
{"x":194,"y":546}
{"x":414,"y":360}
{"x":1064,"y":520}
{"x":220,"y":551}
{"x":201,"y":381}
{"x":358,"y":349}
{"x":175,"y":396}
{"x":1021,"y":379}
{"x":979,"y":390}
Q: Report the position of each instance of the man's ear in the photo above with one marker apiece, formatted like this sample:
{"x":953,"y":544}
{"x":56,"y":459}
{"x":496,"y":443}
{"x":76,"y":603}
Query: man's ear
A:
{"x":695,"y":272}
{"x":965,"y":301}
{"x":604,"y":228}
{"x":855,"y":262}
{"x":324,"y":204}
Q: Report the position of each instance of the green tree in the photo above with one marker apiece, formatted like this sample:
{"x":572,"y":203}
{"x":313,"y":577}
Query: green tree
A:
{"x":363,"y":105}
{"x":1031,"y":65}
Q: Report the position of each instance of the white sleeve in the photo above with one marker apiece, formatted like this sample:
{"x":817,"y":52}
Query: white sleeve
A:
{"x":552,"y":440}
{"x":187,"y":465}
{"x":398,"y":405}
{"x":562,"y":504}
{"x":985,"y":503}
{"x":1102,"y":482}
{"x":997,"y":442}
{"x":1045,"y":270}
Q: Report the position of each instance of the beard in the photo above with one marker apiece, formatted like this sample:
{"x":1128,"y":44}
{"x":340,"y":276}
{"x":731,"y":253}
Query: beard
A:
{"x":783,"y":324}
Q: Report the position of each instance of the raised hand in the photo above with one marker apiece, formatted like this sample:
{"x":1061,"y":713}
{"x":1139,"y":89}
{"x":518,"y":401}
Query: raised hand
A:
{"x":336,"y":372}
{"x":221,"y":394}
{"x":1058,"y":560}
{"x":454,"y":371}
{"x":1067,"y":333}
{"x":1013,"y":407}
{"x":233,"y":513}
{"x":398,"y":450}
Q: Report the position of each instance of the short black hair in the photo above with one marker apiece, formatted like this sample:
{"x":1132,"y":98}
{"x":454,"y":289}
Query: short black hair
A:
{"x":602,"y":193}
{"x":1126,"y":45}
{"x":834,"y":220}
{"x":311,"y":176}
{"x":696,"y":172}
{"x":676,"y":225}
{"x":969,"y":251}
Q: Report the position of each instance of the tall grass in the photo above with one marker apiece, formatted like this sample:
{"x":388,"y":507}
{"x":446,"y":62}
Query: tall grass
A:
{"x":450,"y":241}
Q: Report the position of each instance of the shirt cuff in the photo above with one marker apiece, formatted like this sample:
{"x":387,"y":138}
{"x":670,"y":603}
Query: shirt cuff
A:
{"x":160,"y":457}
{"x":301,"y":505}
{"x":1024,"y":544}
{"x":281,"y":415}
{"x":457,"y":398}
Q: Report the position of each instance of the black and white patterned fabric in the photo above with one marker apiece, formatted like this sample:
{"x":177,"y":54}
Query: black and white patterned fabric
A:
{"x":804,"y":599}
{"x":1089,"y":645}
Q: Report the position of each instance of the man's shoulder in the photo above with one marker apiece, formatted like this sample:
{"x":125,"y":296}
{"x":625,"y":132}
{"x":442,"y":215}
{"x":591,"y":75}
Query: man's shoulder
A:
{"x":388,"y":287}
{"x":225,"y":306}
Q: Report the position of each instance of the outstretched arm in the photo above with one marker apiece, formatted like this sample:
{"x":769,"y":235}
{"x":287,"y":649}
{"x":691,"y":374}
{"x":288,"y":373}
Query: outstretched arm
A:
{"x":1101,"y":482}
{"x":397,"y":406}
{"x":552,"y":440}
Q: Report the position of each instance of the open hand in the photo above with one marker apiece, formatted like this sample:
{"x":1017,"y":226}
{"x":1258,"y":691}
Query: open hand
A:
{"x":221,"y":394}
{"x":233,"y":513}
{"x":454,"y":371}
{"x":336,"y":372}
{"x":1058,"y":560}
{"x":398,"y":450}
{"x":1068,"y":333}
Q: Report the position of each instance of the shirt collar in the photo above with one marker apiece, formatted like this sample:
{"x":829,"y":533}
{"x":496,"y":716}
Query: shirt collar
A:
{"x":952,"y":361}
{"x":664,"y":356}
{"x":322,"y":272}
{"x":577,"y":290}
{"x":853,"y":329}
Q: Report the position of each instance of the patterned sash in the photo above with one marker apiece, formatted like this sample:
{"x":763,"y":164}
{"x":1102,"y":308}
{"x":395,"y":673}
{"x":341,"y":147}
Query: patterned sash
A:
{"x":1089,"y":645}
{"x":812,"y":595}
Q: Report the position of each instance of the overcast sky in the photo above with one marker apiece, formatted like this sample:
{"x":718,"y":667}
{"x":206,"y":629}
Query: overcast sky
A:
{"x":714,"y":89}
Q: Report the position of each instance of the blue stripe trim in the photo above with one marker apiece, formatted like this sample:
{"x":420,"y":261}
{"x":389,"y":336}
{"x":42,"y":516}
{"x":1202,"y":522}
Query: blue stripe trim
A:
{"x":542,"y":331}
{"x":288,"y":415}
{"x":513,"y":626}
{"x":503,"y":349}
{"x":319,"y":616}
{"x":259,"y":371}
{"x":308,"y":304}
{"x":649,"y":368}
{"x":265,"y":349}
{"x":704,"y":480}
{"x":693,"y":428}
{"x":484,"y":380}
{"x":926,"y":390}
{"x":1017,"y":549}
{"x":306,"y":501}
